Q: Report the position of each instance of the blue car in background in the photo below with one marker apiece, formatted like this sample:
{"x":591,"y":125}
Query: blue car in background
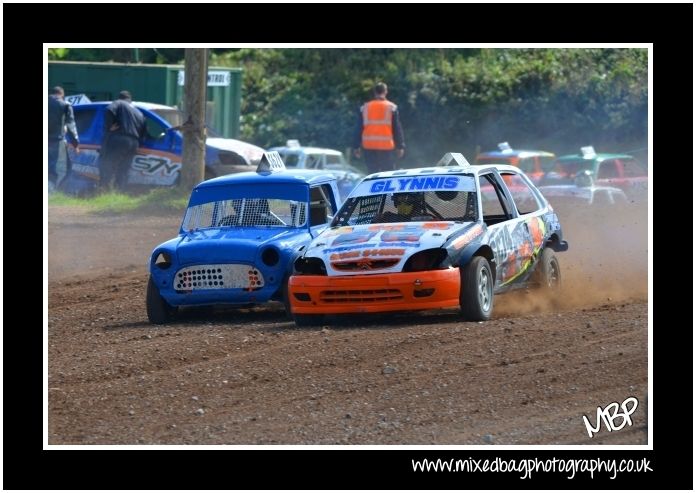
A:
{"x":158,"y":161}
{"x":240,"y":235}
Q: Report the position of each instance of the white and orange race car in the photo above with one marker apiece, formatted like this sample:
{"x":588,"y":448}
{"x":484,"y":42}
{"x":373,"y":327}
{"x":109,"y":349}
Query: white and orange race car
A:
{"x":451,"y":235}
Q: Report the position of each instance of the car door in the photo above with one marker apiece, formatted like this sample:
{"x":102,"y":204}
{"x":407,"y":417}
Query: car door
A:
{"x":527,"y":230}
{"x":625,"y":174}
{"x":89,"y":120}
{"x":608,"y":173}
{"x":635,"y":179}
{"x":158,"y":159}
{"x":499,"y":215}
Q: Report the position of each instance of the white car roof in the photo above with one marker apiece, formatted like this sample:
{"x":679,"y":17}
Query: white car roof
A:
{"x":307,"y":150}
{"x":154,"y":106}
{"x":141,"y":104}
{"x":474,"y":169}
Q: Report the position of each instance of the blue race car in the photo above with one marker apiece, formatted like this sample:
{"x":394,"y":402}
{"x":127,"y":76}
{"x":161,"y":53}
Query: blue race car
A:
{"x":158,"y":160}
{"x":239,"y":238}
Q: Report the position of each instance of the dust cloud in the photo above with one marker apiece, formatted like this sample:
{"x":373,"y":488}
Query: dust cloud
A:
{"x":607,"y":261}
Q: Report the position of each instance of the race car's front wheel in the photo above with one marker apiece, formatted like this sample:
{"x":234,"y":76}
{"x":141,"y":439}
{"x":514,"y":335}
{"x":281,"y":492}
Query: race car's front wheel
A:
{"x":158,"y":310}
{"x":548,"y":272}
{"x":476,"y":290}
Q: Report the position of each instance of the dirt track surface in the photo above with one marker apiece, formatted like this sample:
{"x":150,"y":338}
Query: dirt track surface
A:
{"x":251,"y":377}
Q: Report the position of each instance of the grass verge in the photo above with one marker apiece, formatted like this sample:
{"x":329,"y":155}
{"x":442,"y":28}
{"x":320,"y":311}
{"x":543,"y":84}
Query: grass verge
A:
{"x":163,"y":200}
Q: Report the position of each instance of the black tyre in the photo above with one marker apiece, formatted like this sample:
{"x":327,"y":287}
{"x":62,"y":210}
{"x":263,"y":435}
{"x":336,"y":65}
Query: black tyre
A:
{"x":548,"y":272}
{"x":286,"y":298}
{"x":307,"y":320}
{"x":476,"y":290}
{"x":158,"y":310}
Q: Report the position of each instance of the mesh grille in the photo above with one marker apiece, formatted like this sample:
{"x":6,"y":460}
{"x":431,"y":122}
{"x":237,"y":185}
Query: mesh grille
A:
{"x":245,"y":213}
{"x":218,"y":276}
{"x":366,"y":264}
{"x":420,"y":206}
{"x":360,"y":295}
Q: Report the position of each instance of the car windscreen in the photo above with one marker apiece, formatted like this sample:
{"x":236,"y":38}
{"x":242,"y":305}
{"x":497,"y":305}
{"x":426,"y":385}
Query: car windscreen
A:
{"x":411,"y":198}
{"x":335,"y":159}
{"x":171,"y":115}
{"x":175,"y":118}
{"x":407,"y":207}
{"x":246,"y":212}
{"x":290,"y":159}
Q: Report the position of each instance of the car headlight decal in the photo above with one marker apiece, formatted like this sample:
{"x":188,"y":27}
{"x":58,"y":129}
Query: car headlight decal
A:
{"x":163,"y":260}
{"x":426,"y":260}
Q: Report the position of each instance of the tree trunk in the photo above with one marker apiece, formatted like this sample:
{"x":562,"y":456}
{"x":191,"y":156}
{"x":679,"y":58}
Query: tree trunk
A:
{"x":195,"y":85}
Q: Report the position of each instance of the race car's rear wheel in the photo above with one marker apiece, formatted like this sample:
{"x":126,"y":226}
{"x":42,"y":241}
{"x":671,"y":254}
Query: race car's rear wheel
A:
{"x":548,"y":272}
{"x":476,"y":290}
{"x":158,"y":310}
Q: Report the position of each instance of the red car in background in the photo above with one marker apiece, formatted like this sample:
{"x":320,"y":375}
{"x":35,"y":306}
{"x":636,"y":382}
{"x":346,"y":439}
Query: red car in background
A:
{"x":534,"y":163}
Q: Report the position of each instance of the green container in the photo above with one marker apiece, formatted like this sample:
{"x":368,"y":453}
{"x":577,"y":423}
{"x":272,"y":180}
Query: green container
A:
{"x":161,"y":84}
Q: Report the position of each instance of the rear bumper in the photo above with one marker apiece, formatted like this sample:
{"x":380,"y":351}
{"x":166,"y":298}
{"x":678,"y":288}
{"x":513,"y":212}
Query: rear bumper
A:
{"x":404,"y":291}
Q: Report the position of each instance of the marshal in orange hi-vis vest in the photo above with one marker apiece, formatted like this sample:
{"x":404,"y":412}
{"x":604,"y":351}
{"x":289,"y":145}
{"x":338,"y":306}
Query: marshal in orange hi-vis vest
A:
{"x":377,"y":131}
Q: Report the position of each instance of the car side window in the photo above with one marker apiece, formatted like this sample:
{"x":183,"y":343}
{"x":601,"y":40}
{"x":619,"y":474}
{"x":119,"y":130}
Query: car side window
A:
{"x":153,"y":128}
{"x":494,"y":206}
{"x":607,"y":170}
{"x":546,"y":163}
{"x":290,"y":160}
{"x":319,"y":205}
{"x":84,"y":120}
{"x":632,"y":169}
{"x":527,"y":165}
{"x":313,"y":161}
{"x":525,"y":199}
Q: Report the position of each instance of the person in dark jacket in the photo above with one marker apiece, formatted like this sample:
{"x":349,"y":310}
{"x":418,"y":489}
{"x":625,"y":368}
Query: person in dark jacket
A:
{"x":60,"y":117}
{"x":124,"y":128}
{"x":378,"y":135}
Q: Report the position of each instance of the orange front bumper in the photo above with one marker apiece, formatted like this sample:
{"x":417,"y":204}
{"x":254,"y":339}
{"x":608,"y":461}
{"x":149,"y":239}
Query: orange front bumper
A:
{"x":403,"y":291}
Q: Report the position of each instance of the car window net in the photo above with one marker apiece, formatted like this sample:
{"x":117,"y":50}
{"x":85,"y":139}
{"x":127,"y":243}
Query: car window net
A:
{"x":422,"y":206}
{"x":246,"y":212}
